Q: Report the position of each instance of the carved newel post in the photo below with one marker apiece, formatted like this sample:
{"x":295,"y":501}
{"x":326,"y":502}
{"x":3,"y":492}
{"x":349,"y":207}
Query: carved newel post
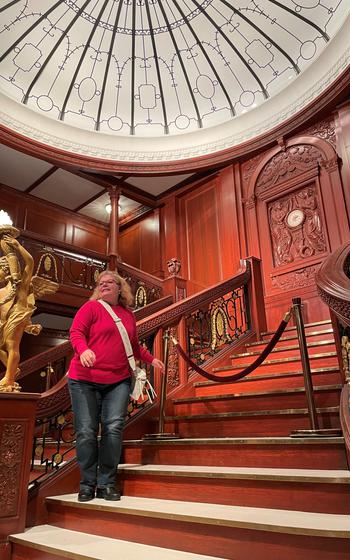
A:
{"x":174,"y":284}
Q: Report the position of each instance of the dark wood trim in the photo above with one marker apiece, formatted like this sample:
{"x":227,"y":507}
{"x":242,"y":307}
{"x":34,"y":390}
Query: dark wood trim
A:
{"x":38,"y":182}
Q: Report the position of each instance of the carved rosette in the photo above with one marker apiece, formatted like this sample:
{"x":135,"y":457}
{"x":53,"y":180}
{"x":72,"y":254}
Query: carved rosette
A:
{"x":296,"y":227}
{"x":173,"y":360}
{"x":287,"y":164}
{"x":11,"y":451}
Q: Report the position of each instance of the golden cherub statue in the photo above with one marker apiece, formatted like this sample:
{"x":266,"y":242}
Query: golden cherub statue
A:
{"x":18,"y":288}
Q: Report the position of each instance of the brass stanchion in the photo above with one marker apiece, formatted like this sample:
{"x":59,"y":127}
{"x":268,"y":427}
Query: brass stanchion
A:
{"x":161,"y":434}
{"x":314,"y":426}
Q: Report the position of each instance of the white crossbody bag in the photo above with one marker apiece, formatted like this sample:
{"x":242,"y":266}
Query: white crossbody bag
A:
{"x":141,"y":383}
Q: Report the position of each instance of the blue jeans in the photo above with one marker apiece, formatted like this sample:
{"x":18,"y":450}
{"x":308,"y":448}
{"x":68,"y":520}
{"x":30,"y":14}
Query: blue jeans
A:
{"x":95,"y":404}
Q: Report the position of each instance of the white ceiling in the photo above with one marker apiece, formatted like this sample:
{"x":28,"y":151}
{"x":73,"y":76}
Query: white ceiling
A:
{"x":73,"y":192}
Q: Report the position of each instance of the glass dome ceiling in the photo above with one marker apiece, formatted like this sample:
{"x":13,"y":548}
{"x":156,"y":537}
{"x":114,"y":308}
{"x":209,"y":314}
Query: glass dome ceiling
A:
{"x":158,"y":67}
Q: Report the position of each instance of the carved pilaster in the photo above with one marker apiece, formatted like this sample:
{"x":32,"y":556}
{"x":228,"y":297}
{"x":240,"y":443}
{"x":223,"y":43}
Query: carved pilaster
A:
{"x":11,"y":451}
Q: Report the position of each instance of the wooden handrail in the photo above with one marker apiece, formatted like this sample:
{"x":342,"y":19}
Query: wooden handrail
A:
{"x":146,"y":276}
{"x":173,"y":312}
{"x":334,"y":285}
{"x":334,"y":288}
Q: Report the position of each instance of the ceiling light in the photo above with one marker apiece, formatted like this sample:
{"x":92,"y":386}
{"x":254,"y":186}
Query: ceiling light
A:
{"x":5,"y":219}
{"x":108,"y":207}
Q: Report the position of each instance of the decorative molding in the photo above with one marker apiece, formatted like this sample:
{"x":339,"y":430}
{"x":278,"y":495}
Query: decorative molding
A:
{"x":296,"y":279}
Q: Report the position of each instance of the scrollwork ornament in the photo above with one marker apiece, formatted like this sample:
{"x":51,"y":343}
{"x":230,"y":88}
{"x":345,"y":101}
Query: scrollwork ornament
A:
{"x":324,"y":129}
{"x":173,"y":378}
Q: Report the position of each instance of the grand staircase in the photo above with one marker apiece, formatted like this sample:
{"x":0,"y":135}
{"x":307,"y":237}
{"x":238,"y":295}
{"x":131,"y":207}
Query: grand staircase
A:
{"x":234,"y":485}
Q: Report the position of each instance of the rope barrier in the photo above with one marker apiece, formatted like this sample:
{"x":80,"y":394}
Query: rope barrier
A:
{"x":266,"y":351}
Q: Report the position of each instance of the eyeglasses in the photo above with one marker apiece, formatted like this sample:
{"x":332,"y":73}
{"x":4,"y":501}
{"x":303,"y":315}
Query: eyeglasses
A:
{"x":107,"y":283}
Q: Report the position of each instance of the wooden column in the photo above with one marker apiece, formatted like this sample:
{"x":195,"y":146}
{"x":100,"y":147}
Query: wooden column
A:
{"x":18,"y":411}
{"x":113,"y":253}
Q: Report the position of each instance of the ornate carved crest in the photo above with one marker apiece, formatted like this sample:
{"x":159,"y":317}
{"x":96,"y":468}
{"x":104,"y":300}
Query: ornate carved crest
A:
{"x":286,"y":164}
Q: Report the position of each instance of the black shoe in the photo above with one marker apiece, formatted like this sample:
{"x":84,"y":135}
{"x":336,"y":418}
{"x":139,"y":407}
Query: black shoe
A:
{"x":86,"y":494}
{"x":108,"y":493}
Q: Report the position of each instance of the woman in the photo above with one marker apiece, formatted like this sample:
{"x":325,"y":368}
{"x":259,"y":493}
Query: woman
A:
{"x":99,"y":380}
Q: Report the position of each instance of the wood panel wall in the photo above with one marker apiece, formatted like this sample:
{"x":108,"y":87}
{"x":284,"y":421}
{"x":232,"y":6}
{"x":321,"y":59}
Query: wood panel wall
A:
{"x":211,"y":226}
{"x":139,"y":245}
{"x":37,"y":216}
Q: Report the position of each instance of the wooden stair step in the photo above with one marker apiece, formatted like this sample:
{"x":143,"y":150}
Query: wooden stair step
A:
{"x":183,"y":526}
{"x":283,"y":364}
{"x":288,"y":351}
{"x":276,"y":452}
{"x":53,"y":541}
{"x":268,"y":381}
{"x":278,"y":422}
{"x":308,"y":327}
{"x":325,"y":395}
{"x":319,"y":334}
{"x":326,"y":491}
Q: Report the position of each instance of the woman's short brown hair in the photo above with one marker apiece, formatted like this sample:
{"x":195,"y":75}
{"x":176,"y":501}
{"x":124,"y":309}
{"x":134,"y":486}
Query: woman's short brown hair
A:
{"x":126,"y":299}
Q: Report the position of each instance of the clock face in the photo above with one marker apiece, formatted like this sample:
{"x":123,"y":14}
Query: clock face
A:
{"x":295,"y":218}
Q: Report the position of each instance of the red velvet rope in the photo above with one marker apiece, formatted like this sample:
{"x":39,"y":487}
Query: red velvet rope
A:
{"x":270,"y":345}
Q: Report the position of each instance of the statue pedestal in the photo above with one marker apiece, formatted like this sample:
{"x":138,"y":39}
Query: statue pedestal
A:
{"x":18,"y":411}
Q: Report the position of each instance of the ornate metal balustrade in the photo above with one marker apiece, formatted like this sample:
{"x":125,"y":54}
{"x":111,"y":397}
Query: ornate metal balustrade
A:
{"x":145,"y":288}
{"x":62,"y":264}
{"x":218,"y":323}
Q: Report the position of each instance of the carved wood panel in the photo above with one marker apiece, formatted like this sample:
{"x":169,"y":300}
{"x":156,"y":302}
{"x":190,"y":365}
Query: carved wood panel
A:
{"x":296,"y":227}
{"x":11,"y":451}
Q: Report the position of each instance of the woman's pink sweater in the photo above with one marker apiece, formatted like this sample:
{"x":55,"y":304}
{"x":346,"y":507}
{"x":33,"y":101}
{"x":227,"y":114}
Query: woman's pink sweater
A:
{"x":95,"y":329}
